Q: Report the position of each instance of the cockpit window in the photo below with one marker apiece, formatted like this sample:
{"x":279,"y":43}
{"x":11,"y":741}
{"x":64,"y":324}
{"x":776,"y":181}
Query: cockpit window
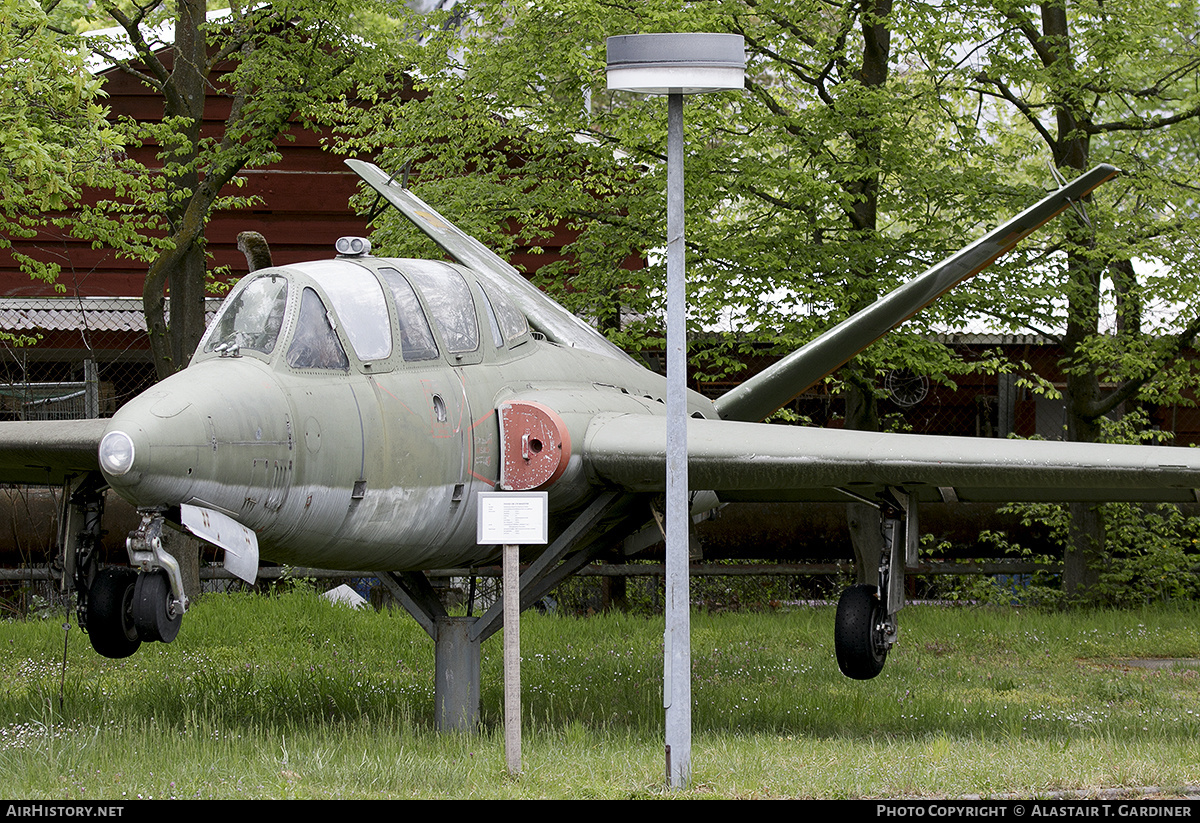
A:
{"x":416,"y":338}
{"x":512,"y":322}
{"x":449,"y":299}
{"x":251,"y":320}
{"x":493,"y":324}
{"x":359,"y":303}
{"x":315,"y":345}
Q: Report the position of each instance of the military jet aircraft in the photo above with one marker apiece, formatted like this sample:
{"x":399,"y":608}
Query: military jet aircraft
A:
{"x":345,"y":414}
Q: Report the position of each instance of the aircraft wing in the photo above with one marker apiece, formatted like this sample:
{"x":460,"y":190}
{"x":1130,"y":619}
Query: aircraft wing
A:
{"x":764,"y":462}
{"x":47,"y":452}
{"x":551,"y":319}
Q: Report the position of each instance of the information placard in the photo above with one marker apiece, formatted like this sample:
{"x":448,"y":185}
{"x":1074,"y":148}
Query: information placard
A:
{"x":512,"y":518}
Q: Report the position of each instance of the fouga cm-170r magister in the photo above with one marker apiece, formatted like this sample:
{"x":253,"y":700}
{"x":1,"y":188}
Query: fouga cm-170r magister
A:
{"x":346,"y":413}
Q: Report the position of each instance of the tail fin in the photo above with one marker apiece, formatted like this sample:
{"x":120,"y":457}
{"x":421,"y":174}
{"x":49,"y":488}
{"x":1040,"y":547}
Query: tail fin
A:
{"x":771,"y":389}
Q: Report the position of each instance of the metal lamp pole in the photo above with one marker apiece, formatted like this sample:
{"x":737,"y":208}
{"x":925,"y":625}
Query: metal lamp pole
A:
{"x":675,"y":65}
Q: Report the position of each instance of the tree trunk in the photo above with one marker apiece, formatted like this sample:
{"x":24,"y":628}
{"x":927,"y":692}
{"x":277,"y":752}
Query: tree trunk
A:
{"x":187,"y":305}
{"x":181,"y":272}
{"x":862,"y":408}
{"x":1085,"y":550}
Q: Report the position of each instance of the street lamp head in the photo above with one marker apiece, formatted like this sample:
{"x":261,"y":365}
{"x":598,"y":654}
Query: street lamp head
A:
{"x":676,"y":63}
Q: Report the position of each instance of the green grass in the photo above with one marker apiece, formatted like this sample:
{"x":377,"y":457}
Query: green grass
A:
{"x":287,"y":696}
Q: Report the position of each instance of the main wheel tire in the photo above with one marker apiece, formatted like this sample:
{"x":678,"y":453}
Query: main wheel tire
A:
{"x":110,"y":625}
{"x":857,"y":638}
{"x":151,"y":608}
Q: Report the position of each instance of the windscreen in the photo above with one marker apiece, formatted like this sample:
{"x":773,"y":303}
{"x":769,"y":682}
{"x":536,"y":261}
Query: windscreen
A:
{"x":251,"y":318}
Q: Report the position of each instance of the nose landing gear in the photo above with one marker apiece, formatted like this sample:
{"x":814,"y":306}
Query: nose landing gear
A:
{"x":125,"y":607}
{"x":154,"y":612}
{"x":109,"y":613}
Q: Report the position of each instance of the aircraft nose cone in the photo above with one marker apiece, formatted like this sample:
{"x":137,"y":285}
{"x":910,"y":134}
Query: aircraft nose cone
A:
{"x":198,"y":436}
{"x":150,"y":451}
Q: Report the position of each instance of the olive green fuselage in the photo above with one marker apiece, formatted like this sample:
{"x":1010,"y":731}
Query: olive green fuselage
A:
{"x":374,"y":466}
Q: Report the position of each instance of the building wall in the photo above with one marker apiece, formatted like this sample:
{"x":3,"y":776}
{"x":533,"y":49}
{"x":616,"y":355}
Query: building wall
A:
{"x":303,"y":209}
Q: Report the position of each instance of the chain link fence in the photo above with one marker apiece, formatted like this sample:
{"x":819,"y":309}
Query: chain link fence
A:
{"x":71,"y":358}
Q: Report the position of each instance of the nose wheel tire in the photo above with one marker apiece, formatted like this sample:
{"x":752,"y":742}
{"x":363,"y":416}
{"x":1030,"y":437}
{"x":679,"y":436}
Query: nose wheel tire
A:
{"x":859,"y":633}
{"x":152,"y":613}
{"x":109,"y":621}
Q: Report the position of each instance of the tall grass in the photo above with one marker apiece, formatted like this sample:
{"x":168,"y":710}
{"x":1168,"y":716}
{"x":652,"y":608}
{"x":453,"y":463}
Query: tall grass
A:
{"x":288,"y":696}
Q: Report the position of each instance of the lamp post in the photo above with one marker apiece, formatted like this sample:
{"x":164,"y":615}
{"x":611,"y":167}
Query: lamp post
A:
{"x":675,"y":65}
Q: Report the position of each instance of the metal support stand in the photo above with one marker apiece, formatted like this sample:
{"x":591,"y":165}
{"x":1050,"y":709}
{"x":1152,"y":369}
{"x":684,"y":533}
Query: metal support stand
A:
{"x":456,"y":675}
{"x":456,"y":655}
{"x":91,"y":395}
{"x":457,"y":640}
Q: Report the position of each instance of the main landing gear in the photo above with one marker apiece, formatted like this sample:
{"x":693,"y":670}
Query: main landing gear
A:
{"x":863,"y":632}
{"x":865,"y":627}
{"x":125,"y":607}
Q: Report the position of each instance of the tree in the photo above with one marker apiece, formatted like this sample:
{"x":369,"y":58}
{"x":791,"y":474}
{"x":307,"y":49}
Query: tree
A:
{"x":52,"y":129}
{"x":807,"y":194}
{"x":276,"y":67}
{"x":820,"y":179}
{"x":1080,"y":83}
{"x":871,"y":138}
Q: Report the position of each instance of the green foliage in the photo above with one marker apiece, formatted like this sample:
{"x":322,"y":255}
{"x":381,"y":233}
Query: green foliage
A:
{"x":498,"y":141}
{"x":282,"y":66}
{"x":54,"y":140}
{"x":52,"y":125}
{"x":1153,"y":555}
{"x":1073,"y":85}
{"x":819,"y":187}
{"x":1042,"y":589}
{"x":1154,"y":552}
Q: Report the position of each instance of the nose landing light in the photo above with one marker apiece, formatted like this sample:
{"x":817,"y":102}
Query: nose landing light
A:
{"x":116,"y":453}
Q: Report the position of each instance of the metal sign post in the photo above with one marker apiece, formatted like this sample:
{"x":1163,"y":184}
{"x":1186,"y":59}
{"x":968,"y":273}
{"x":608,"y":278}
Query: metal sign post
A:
{"x":512,"y":519}
{"x":512,"y":658}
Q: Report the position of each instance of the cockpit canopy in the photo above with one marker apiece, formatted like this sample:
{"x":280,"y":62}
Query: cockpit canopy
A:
{"x":319,"y":314}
